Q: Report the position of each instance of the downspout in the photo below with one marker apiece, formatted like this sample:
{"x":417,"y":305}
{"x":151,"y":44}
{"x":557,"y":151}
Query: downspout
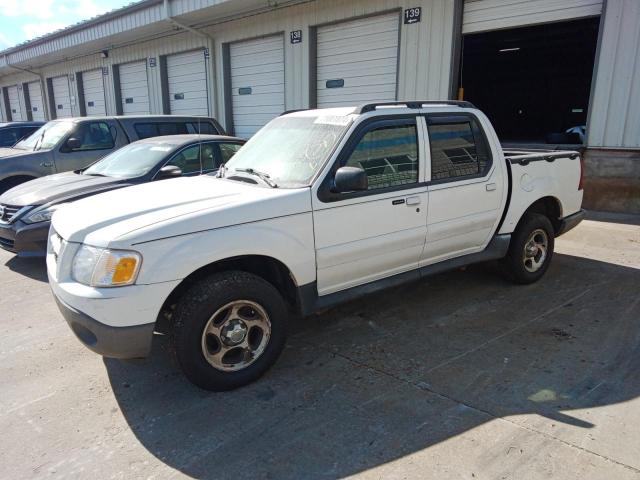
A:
{"x":42,"y":85}
{"x":210,"y":45}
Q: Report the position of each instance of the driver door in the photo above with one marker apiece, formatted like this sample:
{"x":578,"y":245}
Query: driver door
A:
{"x":368,"y":235}
{"x":97,"y":139}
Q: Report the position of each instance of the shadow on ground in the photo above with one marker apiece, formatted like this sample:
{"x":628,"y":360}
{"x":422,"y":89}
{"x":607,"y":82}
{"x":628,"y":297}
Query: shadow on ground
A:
{"x":34,"y":268}
{"x":387,"y":376}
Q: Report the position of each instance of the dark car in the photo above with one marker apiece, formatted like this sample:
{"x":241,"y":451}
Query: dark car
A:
{"x":12,"y":132}
{"x":74,"y":143}
{"x":26,"y":210}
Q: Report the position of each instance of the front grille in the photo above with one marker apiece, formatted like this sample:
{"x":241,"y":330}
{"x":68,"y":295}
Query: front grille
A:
{"x":7,"y":212}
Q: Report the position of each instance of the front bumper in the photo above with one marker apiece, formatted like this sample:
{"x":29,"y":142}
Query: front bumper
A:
{"x":114,"y":342}
{"x":572,"y":221}
{"x":27,"y":240}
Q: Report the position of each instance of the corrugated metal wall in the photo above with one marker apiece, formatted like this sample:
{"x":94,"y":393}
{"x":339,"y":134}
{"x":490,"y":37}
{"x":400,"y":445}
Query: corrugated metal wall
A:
{"x":484,"y":15}
{"x":614,"y":118}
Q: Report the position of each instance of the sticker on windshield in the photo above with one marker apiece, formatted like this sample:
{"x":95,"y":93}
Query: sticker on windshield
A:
{"x":160,"y":149}
{"x":333,"y":120}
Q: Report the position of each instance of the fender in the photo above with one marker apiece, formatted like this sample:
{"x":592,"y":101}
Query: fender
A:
{"x":286,"y":239}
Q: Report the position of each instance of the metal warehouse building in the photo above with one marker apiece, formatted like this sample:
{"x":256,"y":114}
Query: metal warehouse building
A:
{"x":536,"y":67}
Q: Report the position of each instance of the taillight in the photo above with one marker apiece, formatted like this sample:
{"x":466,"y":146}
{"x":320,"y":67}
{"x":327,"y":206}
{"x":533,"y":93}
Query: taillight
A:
{"x":581,"y":182}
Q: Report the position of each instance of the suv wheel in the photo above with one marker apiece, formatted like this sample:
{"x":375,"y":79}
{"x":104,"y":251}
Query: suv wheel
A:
{"x":531,"y":249}
{"x":228,"y":329}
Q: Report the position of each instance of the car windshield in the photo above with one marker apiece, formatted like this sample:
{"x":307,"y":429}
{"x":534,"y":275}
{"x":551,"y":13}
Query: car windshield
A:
{"x":291,"y":149}
{"x":46,"y":137}
{"x":133,"y":160}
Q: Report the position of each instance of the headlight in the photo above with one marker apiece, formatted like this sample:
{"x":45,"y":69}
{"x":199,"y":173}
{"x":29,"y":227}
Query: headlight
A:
{"x":43,"y":215}
{"x":101,"y":267}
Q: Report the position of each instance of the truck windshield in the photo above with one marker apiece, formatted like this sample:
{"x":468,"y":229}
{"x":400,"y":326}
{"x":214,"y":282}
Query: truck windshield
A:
{"x":291,"y":150}
{"x":133,"y":160}
{"x":46,"y":137}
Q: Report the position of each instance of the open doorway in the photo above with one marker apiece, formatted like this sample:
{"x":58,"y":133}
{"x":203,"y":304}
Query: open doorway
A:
{"x":532,"y":82}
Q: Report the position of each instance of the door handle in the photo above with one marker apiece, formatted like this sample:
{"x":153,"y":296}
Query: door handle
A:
{"x":413,"y":200}
{"x":46,"y":164}
{"x":491,"y":187}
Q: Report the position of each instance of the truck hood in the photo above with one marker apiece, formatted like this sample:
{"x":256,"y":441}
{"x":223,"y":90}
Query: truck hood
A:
{"x":16,"y":152}
{"x":152,"y":211}
{"x":61,"y":187}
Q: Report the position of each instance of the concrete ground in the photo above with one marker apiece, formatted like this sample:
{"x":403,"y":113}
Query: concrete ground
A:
{"x":460,"y":376}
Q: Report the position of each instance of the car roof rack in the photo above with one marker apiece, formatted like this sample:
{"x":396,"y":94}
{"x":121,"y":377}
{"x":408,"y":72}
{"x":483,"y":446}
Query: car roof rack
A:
{"x":370,"y":107}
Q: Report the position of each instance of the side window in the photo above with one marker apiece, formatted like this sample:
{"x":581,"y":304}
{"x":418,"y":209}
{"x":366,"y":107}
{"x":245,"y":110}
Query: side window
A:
{"x":208,"y":157}
{"x":171,"y":128}
{"x":389,"y":156}
{"x":146,"y":130}
{"x":458,"y":149}
{"x":8,"y":137}
{"x":159,"y":129}
{"x":228,"y":150}
{"x":94,"y":136}
{"x":188,"y":160}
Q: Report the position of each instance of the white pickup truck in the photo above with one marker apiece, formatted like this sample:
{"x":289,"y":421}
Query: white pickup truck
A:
{"x":319,"y":207}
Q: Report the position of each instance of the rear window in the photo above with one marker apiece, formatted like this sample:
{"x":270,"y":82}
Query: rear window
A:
{"x":157,"y":129}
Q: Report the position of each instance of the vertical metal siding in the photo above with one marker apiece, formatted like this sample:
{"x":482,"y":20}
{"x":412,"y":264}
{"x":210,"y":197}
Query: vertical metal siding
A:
{"x":614,"y":118}
{"x":484,"y":15}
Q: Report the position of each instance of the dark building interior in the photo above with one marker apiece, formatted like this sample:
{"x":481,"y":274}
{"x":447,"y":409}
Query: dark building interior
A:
{"x":532,"y":82}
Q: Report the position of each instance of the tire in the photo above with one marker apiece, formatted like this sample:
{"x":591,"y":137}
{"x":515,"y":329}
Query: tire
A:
{"x":246,"y":321}
{"x":531,"y":249}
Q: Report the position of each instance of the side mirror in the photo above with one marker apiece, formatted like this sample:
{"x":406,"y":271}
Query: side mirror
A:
{"x":169,"y":171}
{"x":73,"y":143}
{"x":350,"y":179}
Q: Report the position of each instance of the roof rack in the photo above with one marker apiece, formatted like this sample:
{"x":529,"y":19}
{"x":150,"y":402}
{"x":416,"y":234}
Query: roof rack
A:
{"x":370,"y":107}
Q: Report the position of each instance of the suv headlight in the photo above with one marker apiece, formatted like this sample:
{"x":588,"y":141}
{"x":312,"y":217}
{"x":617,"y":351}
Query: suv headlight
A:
{"x":101,"y":267}
{"x":42,"y":215}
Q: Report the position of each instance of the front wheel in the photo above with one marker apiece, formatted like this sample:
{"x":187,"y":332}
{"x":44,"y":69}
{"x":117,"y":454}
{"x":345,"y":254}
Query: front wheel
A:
{"x":531,"y":249}
{"x":228,"y":329}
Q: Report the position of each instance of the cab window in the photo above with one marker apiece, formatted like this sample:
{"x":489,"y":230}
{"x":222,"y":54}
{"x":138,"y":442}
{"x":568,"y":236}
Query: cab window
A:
{"x":458,"y":148}
{"x":388,"y":155}
{"x":94,"y":136}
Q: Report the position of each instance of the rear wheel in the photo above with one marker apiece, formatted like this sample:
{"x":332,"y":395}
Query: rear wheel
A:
{"x":531,"y":249}
{"x":228,"y":329}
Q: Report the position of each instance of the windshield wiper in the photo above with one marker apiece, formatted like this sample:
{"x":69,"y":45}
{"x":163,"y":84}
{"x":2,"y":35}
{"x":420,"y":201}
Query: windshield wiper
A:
{"x":261,"y":175}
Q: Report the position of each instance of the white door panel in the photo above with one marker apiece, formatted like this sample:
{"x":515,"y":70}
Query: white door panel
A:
{"x":134,"y":89}
{"x":93,"y":89}
{"x":62,"y":97}
{"x":363,"y":54}
{"x":362,"y":242}
{"x":187,"y":77}
{"x":14,"y":104}
{"x":257,"y":83}
{"x":36,"y":100}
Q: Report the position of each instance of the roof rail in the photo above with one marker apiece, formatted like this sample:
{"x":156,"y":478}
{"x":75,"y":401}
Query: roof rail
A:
{"x":370,"y":107}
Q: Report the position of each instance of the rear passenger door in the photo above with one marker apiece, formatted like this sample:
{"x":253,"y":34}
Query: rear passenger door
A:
{"x":466,"y":188}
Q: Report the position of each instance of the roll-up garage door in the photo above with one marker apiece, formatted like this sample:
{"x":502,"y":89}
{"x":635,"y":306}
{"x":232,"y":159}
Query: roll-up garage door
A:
{"x":134,"y":89}
{"x":257,"y":83}
{"x":357,"y":61}
{"x":14,"y":104}
{"x":187,"y":81}
{"x":37,"y":104}
{"x":61,"y":97}
{"x":485,"y":15}
{"x":93,"y":89}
